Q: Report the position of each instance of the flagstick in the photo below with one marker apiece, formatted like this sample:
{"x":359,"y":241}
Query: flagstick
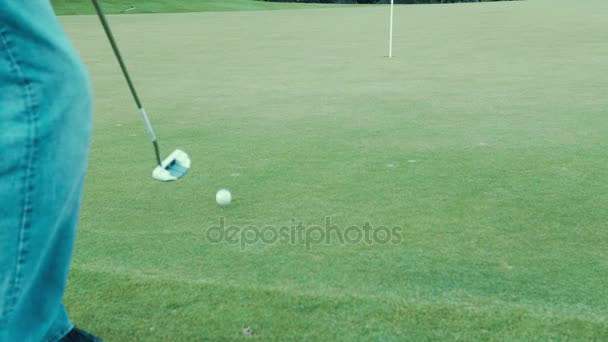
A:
{"x":390,"y":41}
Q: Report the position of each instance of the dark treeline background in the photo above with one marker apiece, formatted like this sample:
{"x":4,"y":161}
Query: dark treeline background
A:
{"x":383,"y":1}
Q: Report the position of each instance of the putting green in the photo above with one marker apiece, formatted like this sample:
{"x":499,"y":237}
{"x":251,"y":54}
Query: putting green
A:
{"x":483,"y":140}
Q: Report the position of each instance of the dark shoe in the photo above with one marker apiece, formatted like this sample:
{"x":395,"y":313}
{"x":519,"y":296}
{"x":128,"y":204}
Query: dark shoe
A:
{"x":78,"y":335}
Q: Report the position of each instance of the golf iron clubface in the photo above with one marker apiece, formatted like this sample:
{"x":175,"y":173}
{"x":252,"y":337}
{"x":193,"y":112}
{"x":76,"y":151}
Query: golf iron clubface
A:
{"x":177,"y":164}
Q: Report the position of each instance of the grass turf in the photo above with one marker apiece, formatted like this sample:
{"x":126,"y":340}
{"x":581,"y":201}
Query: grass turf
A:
{"x":501,"y":105}
{"x":71,"y":7}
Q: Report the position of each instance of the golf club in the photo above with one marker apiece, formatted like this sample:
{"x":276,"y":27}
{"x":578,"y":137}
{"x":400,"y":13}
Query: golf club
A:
{"x":178,"y":162}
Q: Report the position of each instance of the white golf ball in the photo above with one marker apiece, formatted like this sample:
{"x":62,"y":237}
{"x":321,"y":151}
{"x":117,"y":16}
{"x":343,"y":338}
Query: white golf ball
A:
{"x":223,"y":197}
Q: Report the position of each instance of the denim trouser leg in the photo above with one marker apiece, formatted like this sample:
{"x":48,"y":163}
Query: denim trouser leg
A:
{"x":45,"y":119}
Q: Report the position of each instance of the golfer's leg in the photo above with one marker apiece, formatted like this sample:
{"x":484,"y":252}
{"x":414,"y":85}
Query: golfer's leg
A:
{"x":45,"y":117}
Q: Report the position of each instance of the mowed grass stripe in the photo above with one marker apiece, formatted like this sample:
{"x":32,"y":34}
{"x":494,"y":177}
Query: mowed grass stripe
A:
{"x":209,"y":311}
{"x":538,"y":310}
{"x":78,"y":7}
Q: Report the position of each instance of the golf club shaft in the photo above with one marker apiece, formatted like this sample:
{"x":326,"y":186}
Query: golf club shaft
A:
{"x":123,"y":67}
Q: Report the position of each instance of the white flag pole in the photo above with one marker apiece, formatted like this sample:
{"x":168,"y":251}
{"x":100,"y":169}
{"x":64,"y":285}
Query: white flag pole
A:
{"x":390,"y":39}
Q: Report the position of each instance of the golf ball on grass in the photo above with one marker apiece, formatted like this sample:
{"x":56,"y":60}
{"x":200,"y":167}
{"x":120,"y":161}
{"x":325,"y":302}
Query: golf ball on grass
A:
{"x":223,"y":197}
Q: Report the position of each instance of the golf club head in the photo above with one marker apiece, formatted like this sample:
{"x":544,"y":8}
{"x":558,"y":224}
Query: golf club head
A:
{"x":174,"y":167}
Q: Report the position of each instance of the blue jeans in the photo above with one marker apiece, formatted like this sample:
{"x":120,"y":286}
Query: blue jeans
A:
{"x":45,"y":126}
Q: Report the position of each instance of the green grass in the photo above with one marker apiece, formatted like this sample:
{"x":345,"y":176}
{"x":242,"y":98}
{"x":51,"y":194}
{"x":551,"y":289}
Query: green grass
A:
{"x":503,"y":214}
{"x":71,"y":7}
